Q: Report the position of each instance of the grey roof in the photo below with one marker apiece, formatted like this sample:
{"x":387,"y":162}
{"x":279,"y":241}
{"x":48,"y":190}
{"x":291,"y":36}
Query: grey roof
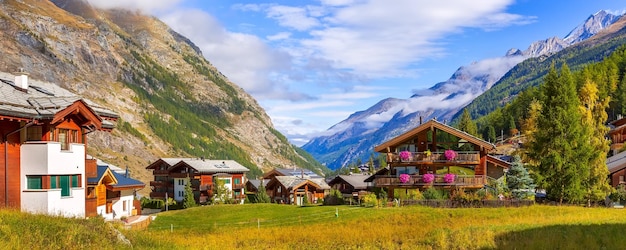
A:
{"x":255,"y":183}
{"x":297,"y":172}
{"x":357,"y":180}
{"x":209,"y":166}
{"x":292,"y":181}
{"x":42,"y":100}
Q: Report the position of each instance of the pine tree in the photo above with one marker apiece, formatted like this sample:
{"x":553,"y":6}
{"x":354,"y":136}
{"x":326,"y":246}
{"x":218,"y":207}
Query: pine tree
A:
{"x":467,"y":125}
{"x":491,"y":134}
{"x":594,"y":116}
{"x":261,"y":195}
{"x":188,"y":200}
{"x":519,"y":181}
{"x":559,"y":140}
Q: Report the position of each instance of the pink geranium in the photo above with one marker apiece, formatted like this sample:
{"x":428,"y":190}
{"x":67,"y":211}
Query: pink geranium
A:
{"x":449,"y":154}
{"x":449,"y":178}
{"x":404,"y":178}
{"x":405,"y":155}
{"x":428,"y":178}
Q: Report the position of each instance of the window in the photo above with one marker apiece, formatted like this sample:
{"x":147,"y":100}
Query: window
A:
{"x":181,"y":193}
{"x":66,"y":136}
{"x":621,"y":179}
{"x":237,"y":193}
{"x":64,"y":181}
{"x":33,"y":133}
{"x":75,"y":181}
{"x":33,"y":182}
{"x":181,"y":182}
{"x":54,"y":181}
{"x":226,"y":181}
{"x":237,"y":181}
{"x":124,"y":204}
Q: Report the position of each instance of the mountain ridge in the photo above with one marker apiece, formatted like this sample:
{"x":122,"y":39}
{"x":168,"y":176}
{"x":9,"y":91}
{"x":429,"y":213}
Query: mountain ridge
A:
{"x":444,"y":100}
{"x":171,"y":100}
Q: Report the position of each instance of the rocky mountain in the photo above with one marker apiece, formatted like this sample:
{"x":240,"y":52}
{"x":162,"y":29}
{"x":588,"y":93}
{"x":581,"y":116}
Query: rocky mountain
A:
{"x":355,"y":137}
{"x":172,"y":101}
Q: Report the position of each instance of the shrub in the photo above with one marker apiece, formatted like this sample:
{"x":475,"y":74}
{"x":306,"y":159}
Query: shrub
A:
{"x":428,"y":178}
{"x":405,"y":155}
{"x":335,"y":197}
{"x":432,"y":194}
{"x":152,"y":203}
{"x":370,"y":200}
{"x":404,"y":178}
{"x":449,"y":178}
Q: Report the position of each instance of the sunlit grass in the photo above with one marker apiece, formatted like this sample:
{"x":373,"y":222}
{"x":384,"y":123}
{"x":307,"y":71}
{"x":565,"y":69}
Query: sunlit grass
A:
{"x":290,"y":227}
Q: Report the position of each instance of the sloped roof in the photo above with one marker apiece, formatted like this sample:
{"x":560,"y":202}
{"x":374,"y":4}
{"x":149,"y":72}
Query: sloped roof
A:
{"x":433,"y":124}
{"x":291,"y":182}
{"x":616,"y":163}
{"x":208,"y":166}
{"x":42,"y":100}
{"x":119,"y":181}
{"x":124,"y":182}
{"x":357,"y":181}
{"x":291,"y":172}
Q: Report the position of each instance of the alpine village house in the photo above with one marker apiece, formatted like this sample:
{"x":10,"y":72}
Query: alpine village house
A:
{"x":424,"y":155}
{"x":44,"y":165}
{"x":171,"y":176}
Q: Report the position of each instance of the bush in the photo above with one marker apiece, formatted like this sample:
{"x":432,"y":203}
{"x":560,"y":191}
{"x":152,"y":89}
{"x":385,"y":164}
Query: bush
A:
{"x":370,"y":200}
{"x":334,"y":198}
{"x":152,"y":203}
{"x":432,"y":194}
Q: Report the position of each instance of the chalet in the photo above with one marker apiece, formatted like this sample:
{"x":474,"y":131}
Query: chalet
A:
{"x":426,"y":153}
{"x":171,"y":176}
{"x":351,"y":185}
{"x":616,"y":163}
{"x":110,"y":192}
{"x":294,"y":189}
{"x":303,"y":173}
{"x":44,"y":128}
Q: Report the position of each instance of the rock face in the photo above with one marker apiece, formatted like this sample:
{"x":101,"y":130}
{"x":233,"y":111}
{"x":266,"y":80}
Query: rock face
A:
{"x":139,"y":67}
{"x":355,"y":137}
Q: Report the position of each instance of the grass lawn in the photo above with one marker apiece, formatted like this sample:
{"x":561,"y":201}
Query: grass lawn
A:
{"x":271,"y":226}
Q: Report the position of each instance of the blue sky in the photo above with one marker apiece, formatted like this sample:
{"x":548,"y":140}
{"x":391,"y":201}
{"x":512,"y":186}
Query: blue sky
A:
{"x":310,"y":64}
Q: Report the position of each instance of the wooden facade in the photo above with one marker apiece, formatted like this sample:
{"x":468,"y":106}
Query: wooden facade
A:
{"x":423,"y":152}
{"x":202,"y":176}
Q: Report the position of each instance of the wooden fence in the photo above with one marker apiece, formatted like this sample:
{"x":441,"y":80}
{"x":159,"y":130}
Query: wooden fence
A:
{"x":462,"y":204}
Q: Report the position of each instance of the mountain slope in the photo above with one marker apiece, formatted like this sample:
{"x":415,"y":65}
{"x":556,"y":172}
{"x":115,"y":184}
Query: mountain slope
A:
{"x":531,"y":72}
{"x":171,"y":100}
{"x":350,"y":139}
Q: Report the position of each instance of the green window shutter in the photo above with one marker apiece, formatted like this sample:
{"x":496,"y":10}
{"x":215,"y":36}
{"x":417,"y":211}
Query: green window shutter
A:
{"x":65,"y":185}
{"x":53,"y":181}
{"x":33,"y":182}
{"x":74,"y":180}
{"x":237,"y":180}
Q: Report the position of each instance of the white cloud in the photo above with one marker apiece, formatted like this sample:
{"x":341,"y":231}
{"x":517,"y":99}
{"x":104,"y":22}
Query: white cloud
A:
{"x":279,"y":36}
{"x":146,"y":6}
{"x":293,"y":17}
{"x":245,"y":59}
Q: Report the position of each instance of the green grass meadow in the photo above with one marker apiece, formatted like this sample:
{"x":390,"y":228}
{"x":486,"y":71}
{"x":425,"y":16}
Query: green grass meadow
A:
{"x":273,"y":226}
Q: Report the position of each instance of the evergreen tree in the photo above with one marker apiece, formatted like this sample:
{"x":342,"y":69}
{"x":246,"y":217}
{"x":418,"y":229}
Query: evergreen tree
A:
{"x":594,"y":116}
{"x":519,"y":181}
{"x":188,"y":200}
{"x":467,"y":125}
{"x":512,"y":127}
{"x":222,"y":193}
{"x":491,"y":134}
{"x":261,"y":195}
{"x":559,"y":140}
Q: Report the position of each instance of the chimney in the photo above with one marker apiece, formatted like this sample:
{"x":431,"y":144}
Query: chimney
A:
{"x":420,"y":120}
{"x":21,"y":80}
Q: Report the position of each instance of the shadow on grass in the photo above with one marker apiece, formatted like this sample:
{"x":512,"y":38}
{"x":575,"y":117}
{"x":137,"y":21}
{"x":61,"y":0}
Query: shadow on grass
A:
{"x":600,"y":236}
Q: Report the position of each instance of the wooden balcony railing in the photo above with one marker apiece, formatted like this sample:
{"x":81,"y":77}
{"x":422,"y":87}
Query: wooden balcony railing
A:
{"x":161,"y":194}
{"x":160,"y":172}
{"x":206,"y":187}
{"x":159,"y":184}
{"x":476,"y":181}
{"x":180,"y":175}
{"x":238,"y":186}
{"x":462,"y":157}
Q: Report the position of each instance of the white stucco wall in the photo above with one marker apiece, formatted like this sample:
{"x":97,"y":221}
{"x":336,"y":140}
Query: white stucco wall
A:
{"x":47,"y":158}
{"x":118,"y":206}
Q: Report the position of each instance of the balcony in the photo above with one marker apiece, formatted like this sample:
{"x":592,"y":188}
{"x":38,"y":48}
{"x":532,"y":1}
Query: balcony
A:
{"x":160,"y":172}
{"x":159,"y":184}
{"x":468,"y":181}
{"x":462,"y":158}
{"x":181,"y":175}
{"x":161,"y":195}
{"x":206,"y":187}
{"x":238,"y":186}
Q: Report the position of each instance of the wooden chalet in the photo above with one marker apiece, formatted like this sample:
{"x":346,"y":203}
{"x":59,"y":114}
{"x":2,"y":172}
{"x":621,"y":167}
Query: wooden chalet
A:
{"x":110,"y":194}
{"x":294,"y":189}
{"x":616,"y":162}
{"x":425,"y":148}
{"x":44,"y":129}
{"x":171,"y":174}
{"x":351,"y":185}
